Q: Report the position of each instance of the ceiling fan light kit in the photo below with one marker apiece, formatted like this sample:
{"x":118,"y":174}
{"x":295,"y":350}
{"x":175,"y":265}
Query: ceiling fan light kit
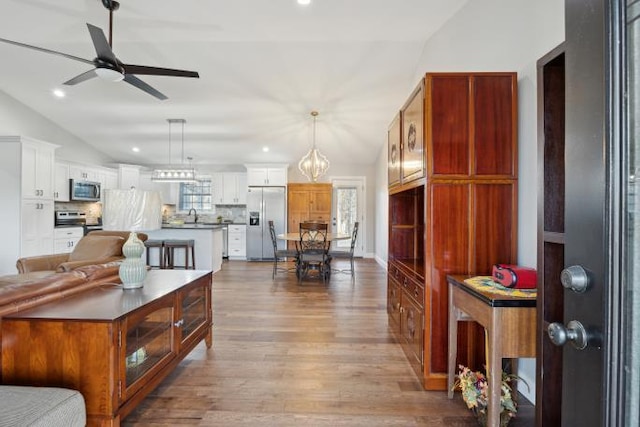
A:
{"x":180,"y":173}
{"x":314,"y":164}
{"x":109,"y":74}
{"x":107,"y":66}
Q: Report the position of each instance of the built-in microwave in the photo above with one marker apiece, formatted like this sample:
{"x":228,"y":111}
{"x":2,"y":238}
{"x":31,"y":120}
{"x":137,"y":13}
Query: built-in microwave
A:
{"x":84,"y":191}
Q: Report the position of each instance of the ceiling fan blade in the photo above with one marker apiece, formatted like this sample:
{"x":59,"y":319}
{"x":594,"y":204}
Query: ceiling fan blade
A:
{"x":103,"y":50}
{"x":41,"y":49}
{"x":133,"y":80}
{"x":157,"y":71}
{"x":81,"y":77}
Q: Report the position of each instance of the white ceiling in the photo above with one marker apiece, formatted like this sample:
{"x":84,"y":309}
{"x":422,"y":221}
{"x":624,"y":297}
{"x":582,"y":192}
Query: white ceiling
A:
{"x":263,"y":64}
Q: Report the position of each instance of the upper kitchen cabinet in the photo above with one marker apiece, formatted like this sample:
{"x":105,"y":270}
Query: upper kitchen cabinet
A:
{"x":394,"y":135}
{"x":61,"y":182}
{"x":128,"y":176}
{"x":37,"y":161}
{"x":83,"y":173}
{"x":267,"y":175}
{"x":229,"y":188}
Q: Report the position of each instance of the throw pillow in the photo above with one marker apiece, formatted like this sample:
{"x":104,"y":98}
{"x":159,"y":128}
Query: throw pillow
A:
{"x":97,"y":247}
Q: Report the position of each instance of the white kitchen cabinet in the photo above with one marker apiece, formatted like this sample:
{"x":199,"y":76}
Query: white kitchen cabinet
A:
{"x":61,"y":182}
{"x":65,"y":239}
{"x":234,"y":188}
{"x":36,"y":228}
{"x":237,"y":242}
{"x":266,"y":176}
{"x":128,"y":177}
{"x":108,"y":179}
{"x":83,"y":173}
{"x":26,"y":197}
{"x":217,"y":189}
{"x":37,"y":169}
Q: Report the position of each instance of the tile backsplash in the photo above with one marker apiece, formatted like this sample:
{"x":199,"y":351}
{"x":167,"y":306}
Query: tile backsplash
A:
{"x":233,"y":213}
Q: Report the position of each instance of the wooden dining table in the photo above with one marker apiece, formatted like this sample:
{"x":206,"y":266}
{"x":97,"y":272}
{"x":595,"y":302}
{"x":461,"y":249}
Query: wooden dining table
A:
{"x":295,"y":236}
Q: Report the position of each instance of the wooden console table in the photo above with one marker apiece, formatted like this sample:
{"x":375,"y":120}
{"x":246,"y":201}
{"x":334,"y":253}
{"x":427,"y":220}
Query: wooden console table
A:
{"x":510,"y":323}
{"x":113,"y":345}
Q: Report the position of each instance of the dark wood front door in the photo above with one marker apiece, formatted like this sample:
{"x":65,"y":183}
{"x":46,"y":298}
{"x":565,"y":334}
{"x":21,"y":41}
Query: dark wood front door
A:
{"x":590,"y":254}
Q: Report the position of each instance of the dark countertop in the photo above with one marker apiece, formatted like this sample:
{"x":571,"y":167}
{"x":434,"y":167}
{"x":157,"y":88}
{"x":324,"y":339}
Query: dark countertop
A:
{"x":195,"y":226}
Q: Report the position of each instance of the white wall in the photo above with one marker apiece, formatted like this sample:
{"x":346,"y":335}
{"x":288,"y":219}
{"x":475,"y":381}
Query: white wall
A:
{"x":18,"y":119}
{"x":498,"y":35}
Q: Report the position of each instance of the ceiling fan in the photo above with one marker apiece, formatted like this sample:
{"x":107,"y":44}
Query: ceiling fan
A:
{"x":107,"y":65}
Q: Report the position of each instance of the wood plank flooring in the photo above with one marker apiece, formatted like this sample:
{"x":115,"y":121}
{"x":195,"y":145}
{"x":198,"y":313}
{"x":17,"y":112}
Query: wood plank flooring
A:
{"x":313,"y":354}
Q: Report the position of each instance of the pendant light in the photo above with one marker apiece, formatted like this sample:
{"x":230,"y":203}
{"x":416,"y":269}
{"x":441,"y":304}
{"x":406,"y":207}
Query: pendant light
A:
{"x":182,"y":173}
{"x":313,"y":165}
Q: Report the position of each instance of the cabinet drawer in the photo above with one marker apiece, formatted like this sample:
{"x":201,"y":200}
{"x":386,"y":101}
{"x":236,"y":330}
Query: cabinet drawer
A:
{"x":237,"y":229}
{"x":414,"y":290}
{"x":237,"y":252}
{"x":68,"y":232}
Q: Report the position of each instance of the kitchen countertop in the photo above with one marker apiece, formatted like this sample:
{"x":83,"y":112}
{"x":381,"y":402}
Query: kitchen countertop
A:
{"x":198,"y":226}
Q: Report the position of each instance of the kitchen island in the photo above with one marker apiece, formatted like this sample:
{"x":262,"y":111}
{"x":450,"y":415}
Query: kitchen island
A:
{"x":207,"y":238}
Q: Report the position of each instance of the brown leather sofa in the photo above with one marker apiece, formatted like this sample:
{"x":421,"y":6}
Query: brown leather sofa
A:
{"x":97,"y":247}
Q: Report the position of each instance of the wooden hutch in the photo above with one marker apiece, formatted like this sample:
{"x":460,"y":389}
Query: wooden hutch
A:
{"x":452,"y":207}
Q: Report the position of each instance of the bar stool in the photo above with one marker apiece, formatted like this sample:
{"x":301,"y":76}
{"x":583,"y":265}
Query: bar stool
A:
{"x":159,"y":244}
{"x":169,"y":253}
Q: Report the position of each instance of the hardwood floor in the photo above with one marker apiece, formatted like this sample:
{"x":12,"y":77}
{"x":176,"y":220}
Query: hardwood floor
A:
{"x":313,"y":354}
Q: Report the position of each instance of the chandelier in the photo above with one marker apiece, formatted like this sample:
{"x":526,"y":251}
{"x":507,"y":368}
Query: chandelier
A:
{"x":313,"y":165}
{"x":182,"y":173}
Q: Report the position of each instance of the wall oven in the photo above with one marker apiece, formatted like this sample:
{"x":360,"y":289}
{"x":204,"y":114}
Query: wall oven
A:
{"x":84,"y":191}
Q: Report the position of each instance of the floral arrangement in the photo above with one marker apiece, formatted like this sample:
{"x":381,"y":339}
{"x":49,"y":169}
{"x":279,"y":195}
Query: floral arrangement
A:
{"x":475,"y":393}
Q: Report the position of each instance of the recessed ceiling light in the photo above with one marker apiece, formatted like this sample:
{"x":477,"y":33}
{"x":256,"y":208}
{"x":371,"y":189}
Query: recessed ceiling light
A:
{"x":265,"y":149}
{"x":59,"y":93}
{"x":304,"y":2}
{"x":135,"y":149}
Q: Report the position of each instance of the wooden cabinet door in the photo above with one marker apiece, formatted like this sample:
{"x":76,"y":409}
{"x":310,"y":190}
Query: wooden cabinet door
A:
{"x":447,"y":124}
{"x":413,"y":136}
{"x":495,"y":124}
{"x":394,"y":159}
{"x":320,"y":204}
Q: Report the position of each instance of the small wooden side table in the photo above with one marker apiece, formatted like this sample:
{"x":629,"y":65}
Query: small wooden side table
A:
{"x":510,"y":323}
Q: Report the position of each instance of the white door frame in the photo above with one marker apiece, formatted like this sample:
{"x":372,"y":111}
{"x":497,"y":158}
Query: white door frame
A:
{"x":360,"y":182}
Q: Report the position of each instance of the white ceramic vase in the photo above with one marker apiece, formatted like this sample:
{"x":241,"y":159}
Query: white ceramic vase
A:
{"x":133,"y":269}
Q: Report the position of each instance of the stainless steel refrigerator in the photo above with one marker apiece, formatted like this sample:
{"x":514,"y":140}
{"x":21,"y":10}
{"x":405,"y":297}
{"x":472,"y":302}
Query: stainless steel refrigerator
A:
{"x":265,"y":204}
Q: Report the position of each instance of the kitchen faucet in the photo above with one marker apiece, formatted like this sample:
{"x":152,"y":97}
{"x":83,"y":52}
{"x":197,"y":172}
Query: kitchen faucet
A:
{"x":195,"y":214}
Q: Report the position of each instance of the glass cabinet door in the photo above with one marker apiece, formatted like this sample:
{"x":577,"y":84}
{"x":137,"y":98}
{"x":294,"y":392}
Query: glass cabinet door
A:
{"x":194,"y":307}
{"x":148,"y":342}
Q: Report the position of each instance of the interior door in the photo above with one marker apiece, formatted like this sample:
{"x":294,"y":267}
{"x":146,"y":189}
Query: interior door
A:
{"x":599,"y":354}
{"x":347,"y":210}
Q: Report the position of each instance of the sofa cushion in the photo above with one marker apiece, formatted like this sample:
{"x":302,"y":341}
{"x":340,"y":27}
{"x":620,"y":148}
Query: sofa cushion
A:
{"x":41,"y":406}
{"x":23,"y":287}
{"x":97,"y":247}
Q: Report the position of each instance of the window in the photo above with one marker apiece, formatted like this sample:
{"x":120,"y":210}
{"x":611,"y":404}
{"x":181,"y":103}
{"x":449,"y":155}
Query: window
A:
{"x":195,"y":196}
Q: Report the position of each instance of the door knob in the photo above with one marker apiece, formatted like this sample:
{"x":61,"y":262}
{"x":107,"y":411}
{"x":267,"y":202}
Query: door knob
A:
{"x":573,"y":332}
{"x":575,"y":278}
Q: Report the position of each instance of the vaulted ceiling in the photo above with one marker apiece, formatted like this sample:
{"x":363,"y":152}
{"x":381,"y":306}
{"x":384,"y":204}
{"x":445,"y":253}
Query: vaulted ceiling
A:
{"x":264,"y":65}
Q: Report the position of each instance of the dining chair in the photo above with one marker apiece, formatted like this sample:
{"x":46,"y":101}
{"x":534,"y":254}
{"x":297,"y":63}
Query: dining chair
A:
{"x":313,"y":250}
{"x":279,"y":254}
{"x":348,"y":254}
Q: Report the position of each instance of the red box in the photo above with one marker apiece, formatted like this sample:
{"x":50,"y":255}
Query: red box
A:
{"x":515,"y":276}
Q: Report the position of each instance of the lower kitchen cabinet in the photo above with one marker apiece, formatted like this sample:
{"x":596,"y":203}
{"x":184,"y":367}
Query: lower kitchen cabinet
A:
{"x":113,"y":346}
{"x":237,"y":244}
{"x":36,"y":228}
{"x":65,"y":239}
